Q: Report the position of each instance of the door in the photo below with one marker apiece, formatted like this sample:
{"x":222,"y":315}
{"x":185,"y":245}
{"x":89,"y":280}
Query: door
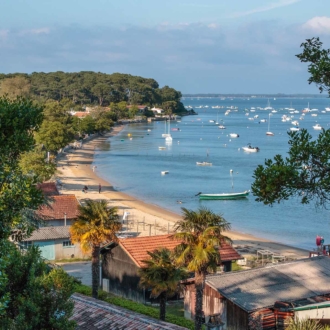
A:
{"x":47,"y":249}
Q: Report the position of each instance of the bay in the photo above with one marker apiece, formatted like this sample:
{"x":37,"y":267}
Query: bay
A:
{"x":132,"y":162}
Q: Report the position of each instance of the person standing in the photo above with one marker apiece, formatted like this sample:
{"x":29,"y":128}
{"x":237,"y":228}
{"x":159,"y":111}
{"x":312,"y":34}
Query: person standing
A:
{"x":100,"y":187}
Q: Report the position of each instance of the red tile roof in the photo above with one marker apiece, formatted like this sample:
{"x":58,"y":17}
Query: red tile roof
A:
{"x":90,"y":313}
{"x":137,"y":247}
{"x":48,"y":188}
{"x":59,"y":205}
{"x":81,"y":114}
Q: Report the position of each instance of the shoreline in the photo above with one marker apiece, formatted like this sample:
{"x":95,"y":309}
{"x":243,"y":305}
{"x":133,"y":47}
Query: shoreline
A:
{"x":76,"y":171}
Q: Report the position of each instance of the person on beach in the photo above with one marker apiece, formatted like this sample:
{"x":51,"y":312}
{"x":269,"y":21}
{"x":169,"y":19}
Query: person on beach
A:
{"x":85,"y":189}
{"x":100,"y":187}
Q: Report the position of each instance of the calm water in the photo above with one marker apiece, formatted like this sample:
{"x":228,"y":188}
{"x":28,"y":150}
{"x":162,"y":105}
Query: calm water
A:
{"x":134,"y":166}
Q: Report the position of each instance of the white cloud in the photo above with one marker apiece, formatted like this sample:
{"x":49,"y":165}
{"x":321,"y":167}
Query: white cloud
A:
{"x":271,"y":6}
{"x":318,"y":24}
{"x":44,"y":30}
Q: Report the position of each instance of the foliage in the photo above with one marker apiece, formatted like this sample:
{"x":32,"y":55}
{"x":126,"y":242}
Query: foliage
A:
{"x":56,"y":130}
{"x":200,"y":233}
{"x":15,"y":86}
{"x":306,"y":324}
{"x":304,"y":173}
{"x":96,"y":224}
{"x":35,"y":163}
{"x":319,"y":63}
{"x":18,"y":193}
{"x":134,"y":306}
{"x":162,"y":276}
{"x":38,"y":295}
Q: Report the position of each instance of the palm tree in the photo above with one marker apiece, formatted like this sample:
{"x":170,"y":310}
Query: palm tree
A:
{"x":96,"y":224}
{"x":162,"y":276}
{"x":201,"y":238}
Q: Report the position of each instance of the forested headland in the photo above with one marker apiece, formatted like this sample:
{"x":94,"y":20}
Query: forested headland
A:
{"x":92,"y":88}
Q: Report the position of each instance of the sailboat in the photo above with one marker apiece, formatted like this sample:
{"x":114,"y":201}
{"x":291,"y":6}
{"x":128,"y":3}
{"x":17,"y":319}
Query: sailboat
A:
{"x":164,"y":135}
{"x":223,"y":196}
{"x":269,"y":132}
{"x":268,"y":106}
{"x":217,"y":122}
{"x":168,"y":138}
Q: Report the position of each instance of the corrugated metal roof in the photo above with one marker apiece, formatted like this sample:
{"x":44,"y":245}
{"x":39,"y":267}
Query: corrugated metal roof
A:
{"x":47,"y":233}
{"x":261,"y":287}
{"x":91,"y":313}
{"x":137,"y":247}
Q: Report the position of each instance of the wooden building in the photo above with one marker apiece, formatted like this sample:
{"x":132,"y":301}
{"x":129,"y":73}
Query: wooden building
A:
{"x":265,"y":298}
{"x":121,"y":262}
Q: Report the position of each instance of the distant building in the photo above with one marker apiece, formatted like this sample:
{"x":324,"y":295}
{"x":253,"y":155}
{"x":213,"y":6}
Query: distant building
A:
{"x":61,"y":211}
{"x":54,"y":243}
{"x":157,"y":111}
{"x":48,"y":188}
{"x":266,"y":297}
{"x":122,"y":260}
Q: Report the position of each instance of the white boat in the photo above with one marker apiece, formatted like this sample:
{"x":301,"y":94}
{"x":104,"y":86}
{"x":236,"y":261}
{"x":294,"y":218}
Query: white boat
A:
{"x":164,"y":172}
{"x":317,"y":127}
{"x":233,"y":135}
{"x":168,"y":138}
{"x":203,"y":164}
{"x":263,"y":120}
{"x":274,"y":111}
{"x":249,"y":148}
{"x":269,"y":133}
{"x":314,"y":114}
{"x":294,"y":129}
{"x":295,"y":123}
{"x":165,"y":135}
{"x":212,"y":121}
{"x":217,"y":122}
{"x":222,"y":127}
{"x":307,"y":109}
{"x":162,"y":148}
{"x":268,"y":106}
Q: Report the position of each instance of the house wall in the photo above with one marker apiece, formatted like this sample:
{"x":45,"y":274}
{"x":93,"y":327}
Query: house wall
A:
{"x":233,"y":317}
{"x":67,"y":252}
{"x":122,"y":274}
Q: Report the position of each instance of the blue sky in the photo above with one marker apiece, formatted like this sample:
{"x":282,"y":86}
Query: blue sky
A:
{"x":209,"y":46}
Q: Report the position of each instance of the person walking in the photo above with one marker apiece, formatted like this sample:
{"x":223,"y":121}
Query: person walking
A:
{"x":100,"y":187}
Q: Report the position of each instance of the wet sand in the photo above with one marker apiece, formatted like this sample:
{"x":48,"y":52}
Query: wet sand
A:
{"x":76,"y":170}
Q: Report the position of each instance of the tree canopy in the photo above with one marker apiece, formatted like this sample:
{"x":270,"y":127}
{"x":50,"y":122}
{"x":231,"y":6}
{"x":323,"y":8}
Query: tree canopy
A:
{"x":305,"y":172}
{"x":94,"y":88}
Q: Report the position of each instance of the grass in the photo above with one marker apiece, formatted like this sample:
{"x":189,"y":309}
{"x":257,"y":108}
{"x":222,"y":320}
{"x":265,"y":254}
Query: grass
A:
{"x":172,"y":316}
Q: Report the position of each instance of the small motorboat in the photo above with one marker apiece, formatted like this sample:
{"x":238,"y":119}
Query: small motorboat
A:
{"x":222,"y":127}
{"x":203,"y":164}
{"x":164,"y":172}
{"x":294,"y":129}
{"x":233,"y":135}
{"x":162,"y":148}
{"x":175,"y":129}
{"x":317,"y":127}
{"x":249,"y":148}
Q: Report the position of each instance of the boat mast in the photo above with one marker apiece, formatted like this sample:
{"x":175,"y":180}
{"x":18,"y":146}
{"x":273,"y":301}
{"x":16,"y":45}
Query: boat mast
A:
{"x":232,"y":179}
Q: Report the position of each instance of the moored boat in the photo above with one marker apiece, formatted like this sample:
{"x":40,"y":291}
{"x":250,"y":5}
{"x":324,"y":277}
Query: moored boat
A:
{"x":223,"y":196}
{"x":203,"y":164}
{"x":249,"y":148}
{"x":233,"y":135}
{"x":317,"y":127}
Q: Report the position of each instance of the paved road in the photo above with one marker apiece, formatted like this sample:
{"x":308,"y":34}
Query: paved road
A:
{"x":80,"y":270}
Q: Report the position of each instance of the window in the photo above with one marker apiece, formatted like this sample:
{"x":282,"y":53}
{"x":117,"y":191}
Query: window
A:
{"x":67,"y":244}
{"x":25,"y":245}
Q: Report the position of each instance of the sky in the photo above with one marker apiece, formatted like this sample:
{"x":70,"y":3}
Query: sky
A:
{"x":195,"y":46}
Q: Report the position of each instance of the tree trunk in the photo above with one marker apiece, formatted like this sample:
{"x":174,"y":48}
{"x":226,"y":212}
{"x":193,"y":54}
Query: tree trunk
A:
{"x":199,"y":286}
{"x":162,"y":306}
{"x":95,"y":271}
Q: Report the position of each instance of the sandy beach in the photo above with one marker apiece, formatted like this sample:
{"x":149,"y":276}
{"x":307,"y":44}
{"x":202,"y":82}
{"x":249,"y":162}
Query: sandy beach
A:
{"x":140,"y":218}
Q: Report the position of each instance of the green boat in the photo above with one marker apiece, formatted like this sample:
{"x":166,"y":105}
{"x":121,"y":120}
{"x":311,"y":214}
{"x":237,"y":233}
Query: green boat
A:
{"x":239,"y":195}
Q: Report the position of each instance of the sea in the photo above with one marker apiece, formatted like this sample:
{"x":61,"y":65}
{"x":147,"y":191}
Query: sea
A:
{"x":132,"y":161}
